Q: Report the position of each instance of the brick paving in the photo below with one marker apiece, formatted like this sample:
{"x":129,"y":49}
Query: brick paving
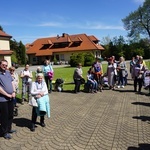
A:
{"x":108,"y":120}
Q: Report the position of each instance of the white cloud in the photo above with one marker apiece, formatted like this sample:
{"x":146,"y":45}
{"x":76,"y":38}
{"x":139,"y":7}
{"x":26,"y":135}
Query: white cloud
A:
{"x":50,"y":24}
{"x":87,"y":25}
{"x":100,"y":26}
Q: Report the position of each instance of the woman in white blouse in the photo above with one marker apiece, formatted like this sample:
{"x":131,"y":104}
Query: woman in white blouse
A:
{"x":39,"y":91}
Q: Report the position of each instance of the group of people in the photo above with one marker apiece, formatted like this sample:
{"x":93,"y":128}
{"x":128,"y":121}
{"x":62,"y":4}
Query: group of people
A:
{"x":93,"y":76}
{"x":37,"y":90}
{"x":26,"y":76}
{"x":138,"y":69}
{"x":116,"y":74}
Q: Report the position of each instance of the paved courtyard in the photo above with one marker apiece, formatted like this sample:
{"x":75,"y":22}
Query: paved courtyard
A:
{"x":108,"y":120}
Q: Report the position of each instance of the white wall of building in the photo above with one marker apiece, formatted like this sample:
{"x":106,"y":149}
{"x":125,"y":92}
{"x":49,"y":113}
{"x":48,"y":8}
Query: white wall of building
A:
{"x":4,"y":45}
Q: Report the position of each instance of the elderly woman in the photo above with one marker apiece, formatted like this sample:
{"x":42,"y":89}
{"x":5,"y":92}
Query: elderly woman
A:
{"x":111,"y":73}
{"x":138,"y":75}
{"x":16,"y":81}
{"x":39,"y":92}
{"x":77,"y":76}
{"x":121,"y":68}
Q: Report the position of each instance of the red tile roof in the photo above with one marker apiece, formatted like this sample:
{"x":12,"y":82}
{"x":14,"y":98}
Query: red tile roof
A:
{"x":6,"y":52}
{"x":46,"y":46}
{"x":3,"y":34}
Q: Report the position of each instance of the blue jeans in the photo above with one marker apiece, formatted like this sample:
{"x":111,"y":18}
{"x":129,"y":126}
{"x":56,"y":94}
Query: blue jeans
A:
{"x":94,"y":84}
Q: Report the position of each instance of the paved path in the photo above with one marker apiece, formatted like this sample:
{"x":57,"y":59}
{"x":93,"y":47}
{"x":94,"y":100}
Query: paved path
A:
{"x":108,"y":120}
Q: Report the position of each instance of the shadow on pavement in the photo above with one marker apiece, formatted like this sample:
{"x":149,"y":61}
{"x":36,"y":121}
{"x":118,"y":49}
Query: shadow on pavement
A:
{"x":142,"y":118}
{"x":22,"y":122}
{"x":141,"y":103}
{"x":144,"y":146}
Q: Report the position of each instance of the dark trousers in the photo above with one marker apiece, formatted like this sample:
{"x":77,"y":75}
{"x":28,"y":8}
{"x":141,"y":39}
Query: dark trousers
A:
{"x":139,"y":82}
{"x":77,"y":85}
{"x":48,"y":83}
{"x":6,"y":116}
{"x":34,"y":116}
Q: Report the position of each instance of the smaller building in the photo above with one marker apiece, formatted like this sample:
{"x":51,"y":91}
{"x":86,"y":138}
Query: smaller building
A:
{"x":62,"y":47}
{"x":5,"y":52}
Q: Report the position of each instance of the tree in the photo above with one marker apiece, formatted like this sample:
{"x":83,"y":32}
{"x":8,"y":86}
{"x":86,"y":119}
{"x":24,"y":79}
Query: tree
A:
{"x":22,"y":53}
{"x":1,"y":28}
{"x":138,"y":22}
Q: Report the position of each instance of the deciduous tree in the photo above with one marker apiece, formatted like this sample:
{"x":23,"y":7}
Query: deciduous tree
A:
{"x":138,"y":22}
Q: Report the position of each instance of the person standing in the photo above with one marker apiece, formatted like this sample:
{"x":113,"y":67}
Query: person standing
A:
{"x":26,"y":76}
{"x":16,"y":82}
{"x":121,"y":68}
{"x":132,"y":64}
{"x":39,"y":92}
{"x":48,"y":74}
{"x":7,"y":93}
{"x":77,"y":76}
{"x":138,"y":75}
{"x":111,"y":73}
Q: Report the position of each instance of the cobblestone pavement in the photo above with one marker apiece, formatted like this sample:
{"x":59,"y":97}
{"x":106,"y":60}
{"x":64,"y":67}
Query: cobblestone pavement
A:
{"x":108,"y":120}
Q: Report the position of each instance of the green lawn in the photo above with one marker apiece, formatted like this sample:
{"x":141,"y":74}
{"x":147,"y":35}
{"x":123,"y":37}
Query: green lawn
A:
{"x":148,"y":64}
{"x":67,"y":75}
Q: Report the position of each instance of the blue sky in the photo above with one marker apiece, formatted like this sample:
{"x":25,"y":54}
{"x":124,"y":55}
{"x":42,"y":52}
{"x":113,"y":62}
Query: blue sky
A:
{"x":27,"y":20}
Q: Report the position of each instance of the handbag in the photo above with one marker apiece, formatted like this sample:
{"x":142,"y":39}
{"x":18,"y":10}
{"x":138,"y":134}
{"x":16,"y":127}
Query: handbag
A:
{"x":82,"y":81}
{"x":33,"y":102}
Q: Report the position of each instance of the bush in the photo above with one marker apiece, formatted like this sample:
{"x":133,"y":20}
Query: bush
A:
{"x":86,"y":59}
{"x":76,"y":58}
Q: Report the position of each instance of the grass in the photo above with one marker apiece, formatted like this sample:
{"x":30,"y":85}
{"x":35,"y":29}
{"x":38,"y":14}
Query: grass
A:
{"x":148,"y":64}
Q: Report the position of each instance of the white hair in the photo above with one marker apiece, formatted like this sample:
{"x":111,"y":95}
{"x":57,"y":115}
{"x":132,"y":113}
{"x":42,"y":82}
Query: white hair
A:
{"x":39,"y":75}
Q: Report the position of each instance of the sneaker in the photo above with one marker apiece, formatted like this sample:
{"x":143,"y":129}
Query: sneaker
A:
{"x":7,"y":136}
{"x":12,"y":131}
{"x":118,"y":86}
{"x":122,"y":86}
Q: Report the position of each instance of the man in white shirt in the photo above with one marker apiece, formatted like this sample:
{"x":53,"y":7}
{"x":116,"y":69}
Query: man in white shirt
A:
{"x":26,"y":76}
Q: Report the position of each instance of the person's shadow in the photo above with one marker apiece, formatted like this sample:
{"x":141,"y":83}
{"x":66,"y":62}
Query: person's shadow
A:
{"x":22,"y":122}
{"x":143,"y":146}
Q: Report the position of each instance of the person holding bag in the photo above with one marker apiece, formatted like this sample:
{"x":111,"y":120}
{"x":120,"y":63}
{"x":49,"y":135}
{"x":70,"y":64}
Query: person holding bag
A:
{"x":48,"y":70}
{"x":77,"y":76}
{"x":138,"y":75}
{"x":39,"y":94}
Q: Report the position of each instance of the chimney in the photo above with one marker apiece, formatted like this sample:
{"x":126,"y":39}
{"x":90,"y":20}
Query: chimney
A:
{"x":63,"y":34}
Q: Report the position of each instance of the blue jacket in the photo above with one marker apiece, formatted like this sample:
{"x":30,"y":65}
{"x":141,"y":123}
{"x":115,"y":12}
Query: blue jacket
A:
{"x":43,"y":106}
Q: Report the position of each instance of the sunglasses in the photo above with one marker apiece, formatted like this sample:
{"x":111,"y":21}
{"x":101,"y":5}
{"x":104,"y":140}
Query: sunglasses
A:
{"x":4,"y":65}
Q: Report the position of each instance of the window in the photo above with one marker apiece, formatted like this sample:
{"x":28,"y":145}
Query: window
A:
{"x":62,"y":57}
{"x":34,"y":59}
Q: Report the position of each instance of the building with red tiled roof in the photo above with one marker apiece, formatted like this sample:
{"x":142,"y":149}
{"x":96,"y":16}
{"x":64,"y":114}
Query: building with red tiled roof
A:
{"x":5,"y":52}
{"x":62,"y":47}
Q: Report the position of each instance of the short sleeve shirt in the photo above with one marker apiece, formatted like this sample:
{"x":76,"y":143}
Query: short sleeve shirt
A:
{"x":6,"y":84}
